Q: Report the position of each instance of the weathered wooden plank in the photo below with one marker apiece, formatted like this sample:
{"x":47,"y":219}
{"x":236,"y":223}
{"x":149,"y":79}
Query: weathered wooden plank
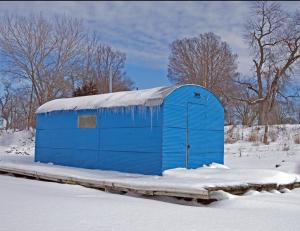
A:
{"x":241,"y":189}
{"x":106,"y":185}
{"x":234,"y":189}
{"x":202,"y":196}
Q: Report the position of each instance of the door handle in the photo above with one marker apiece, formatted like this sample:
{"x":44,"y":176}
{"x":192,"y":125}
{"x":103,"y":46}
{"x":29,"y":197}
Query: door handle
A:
{"x":188,"y":146}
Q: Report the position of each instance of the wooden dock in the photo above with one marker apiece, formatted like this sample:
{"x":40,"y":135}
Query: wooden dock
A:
{"x":202,"y":196}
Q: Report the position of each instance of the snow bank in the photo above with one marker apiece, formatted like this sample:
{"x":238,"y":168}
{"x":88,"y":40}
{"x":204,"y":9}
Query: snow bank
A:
{"x":17,"y":145}
{"x":148,"y":97}
{"x":244,"y":149}
{"x":216,"y":165}
{"x":35,"y":206}
{"x":221,"y":195}
{"x":211,"y":177}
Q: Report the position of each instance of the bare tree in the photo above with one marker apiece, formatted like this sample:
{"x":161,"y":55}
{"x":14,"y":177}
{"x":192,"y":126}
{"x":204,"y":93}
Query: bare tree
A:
{"x":40,"y":52}
{"x":6,"y":103}
{"x":297,"y":112}
{"x":49,"y":58}
{"x":204,"y":60}
{"x":274,"y":39}
{"x":14,"y":105}
{"x":99,"y":62}
{"x":283,"y":112}
{"x":244,"y":113}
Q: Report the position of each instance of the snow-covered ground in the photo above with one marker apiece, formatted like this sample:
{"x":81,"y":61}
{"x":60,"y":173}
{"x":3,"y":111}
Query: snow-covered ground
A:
{"x":17,"y":146}
{"x":282,"y":153}
{"x":33,"y":205}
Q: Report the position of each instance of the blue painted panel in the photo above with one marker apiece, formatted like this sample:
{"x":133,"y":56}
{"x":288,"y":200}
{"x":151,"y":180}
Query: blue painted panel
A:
{"x":174,"y":143}
{"x":131,"y":139}
{"x":205,"y":118}
{"x":46,"y":138}
{"x":87,"y":138}
{"x":197,"y":116}
{"x":131,"y":117}
{"x":205,"y":125}
{"x":205,"y":141}
{"x":132,"y":162}
{"x":174,"y":116}
{"x":78,"y":138}
{"x":185,"y":94}
{"x":60,"y":141}
{"x":62,"y":119}
{"x":205,"y":135}
{"x":56,"y":120}
{"x":200,"y":159}
{"x":173,"y":160}
{"x":68,"y":157}
{"x":174,"y":140}
{"x":38,"y":138}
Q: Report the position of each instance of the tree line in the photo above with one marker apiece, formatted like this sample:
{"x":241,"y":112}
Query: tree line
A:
{"x":43,"y":59}
{"x":270,"y":94}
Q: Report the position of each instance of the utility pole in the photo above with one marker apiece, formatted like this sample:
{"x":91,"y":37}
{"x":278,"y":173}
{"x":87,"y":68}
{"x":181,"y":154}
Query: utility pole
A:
{"x":110,"y":80}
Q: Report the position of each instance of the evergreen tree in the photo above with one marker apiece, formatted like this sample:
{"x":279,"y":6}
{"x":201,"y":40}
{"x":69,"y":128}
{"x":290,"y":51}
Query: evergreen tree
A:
{"x":89,"y":88}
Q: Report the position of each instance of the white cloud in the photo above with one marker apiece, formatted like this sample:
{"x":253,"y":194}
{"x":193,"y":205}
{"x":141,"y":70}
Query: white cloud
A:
{"x":144,"y":30}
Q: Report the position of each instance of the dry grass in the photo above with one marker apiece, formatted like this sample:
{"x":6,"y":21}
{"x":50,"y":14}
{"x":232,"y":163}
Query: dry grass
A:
{"x":230,"y":140}
{"x":253,"y":137}
{"x":273,"y":135}
{"x":297,"y":139}
{"x":285,"y":147}
{"x":230,"y":136}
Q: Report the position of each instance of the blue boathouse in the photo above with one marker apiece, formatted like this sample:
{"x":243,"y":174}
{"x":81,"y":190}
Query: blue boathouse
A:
{"x":142,"y":131}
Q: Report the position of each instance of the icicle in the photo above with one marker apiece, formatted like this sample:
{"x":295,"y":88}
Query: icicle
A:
{"x":132,"y":115}
{"x":158,"y":112}
{"x":151,"y":117}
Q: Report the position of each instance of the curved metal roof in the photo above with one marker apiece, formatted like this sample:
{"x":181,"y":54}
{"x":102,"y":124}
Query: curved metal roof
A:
{"x":147,"y":97}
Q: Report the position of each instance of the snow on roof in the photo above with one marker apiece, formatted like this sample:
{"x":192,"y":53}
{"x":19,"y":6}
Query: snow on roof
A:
{"x":147,"y":97}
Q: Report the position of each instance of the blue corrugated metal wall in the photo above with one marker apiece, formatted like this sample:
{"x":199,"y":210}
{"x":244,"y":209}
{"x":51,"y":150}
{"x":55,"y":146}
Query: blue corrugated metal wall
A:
{"x":124,"y":140}
{"x":202,"y":118}
{"x":131,"y":141}
{"x":58,"y":140}
{"x":137,"y":139}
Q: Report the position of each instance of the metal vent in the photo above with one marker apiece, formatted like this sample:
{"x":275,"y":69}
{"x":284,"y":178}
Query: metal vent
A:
{"x":197,"y":94}
{"x":87,"y":121}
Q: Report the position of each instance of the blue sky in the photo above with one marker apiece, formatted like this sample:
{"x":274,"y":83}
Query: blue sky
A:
{"x":144,"y":30}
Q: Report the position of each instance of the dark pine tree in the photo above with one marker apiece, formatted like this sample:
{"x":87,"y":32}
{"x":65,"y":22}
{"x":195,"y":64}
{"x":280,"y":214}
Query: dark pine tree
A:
{"x":89,"y":88}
